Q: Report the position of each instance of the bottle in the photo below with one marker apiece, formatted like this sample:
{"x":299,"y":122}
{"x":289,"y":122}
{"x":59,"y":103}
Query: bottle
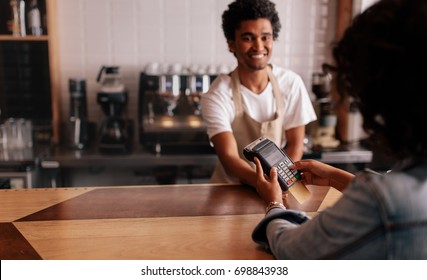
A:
{"x":15,"y":28}
{"x":34,"y":19}
{"x":23,"y":31}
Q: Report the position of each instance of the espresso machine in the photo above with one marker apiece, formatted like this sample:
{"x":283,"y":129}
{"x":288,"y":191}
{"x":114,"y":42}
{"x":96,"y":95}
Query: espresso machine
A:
{"x":170,"y":113}
{"x":197,"y":84}
{"x":324,"y":135}
{"x":115,"y":136}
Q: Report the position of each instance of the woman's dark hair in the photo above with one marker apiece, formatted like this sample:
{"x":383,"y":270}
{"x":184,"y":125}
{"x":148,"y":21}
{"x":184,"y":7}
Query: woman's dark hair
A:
{"x":241,"y":10}
{"x":381,"y":61}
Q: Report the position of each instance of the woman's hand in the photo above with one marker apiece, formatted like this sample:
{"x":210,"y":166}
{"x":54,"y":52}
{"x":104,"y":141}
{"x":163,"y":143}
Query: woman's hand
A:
{"x":317,"y":173}
{"x":268,"y":188}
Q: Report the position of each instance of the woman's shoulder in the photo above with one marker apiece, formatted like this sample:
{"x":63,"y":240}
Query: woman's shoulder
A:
{"x":398,"y":192}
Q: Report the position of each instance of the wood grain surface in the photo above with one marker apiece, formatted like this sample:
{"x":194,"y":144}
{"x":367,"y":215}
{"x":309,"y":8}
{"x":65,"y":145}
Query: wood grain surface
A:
{"x":164,"y":222}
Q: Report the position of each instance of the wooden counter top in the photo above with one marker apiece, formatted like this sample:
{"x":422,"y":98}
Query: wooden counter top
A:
{"x":199,"y":221}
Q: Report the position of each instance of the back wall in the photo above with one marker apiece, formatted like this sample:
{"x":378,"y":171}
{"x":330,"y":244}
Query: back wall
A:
{"x":134,"y":33}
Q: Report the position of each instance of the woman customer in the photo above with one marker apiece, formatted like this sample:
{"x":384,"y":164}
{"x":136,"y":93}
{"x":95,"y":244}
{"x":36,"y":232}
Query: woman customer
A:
{"x":380,"y":62}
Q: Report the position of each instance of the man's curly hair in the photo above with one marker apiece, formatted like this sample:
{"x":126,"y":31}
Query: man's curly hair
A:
{"x":381,"y":61}
{"x":241,"y":10}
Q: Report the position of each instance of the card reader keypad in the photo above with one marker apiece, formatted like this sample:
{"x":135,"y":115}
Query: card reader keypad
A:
{"x":288,"y":175}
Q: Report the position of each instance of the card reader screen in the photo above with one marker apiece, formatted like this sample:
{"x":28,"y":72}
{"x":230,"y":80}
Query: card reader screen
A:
{"x":272,"y":155}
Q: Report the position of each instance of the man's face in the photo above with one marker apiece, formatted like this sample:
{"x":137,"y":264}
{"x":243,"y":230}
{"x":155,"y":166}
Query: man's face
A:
{"x":253,"y":45}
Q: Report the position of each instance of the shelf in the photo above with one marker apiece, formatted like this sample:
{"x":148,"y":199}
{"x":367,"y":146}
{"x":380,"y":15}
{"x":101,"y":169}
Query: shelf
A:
{"x":23,"y":38}
{"x":47,"y":9}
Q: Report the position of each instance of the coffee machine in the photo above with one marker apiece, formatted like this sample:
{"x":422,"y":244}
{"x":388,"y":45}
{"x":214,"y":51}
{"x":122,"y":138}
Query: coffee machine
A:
{"x":115,"y":132}
{"x":197,"y":84}
{"x":324,"y":136}
{"x":170,"y":113}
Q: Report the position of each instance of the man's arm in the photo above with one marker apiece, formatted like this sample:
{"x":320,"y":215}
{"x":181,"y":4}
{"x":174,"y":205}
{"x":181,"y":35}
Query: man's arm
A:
{"x":226,"y":149}
{"x":295,"y":142}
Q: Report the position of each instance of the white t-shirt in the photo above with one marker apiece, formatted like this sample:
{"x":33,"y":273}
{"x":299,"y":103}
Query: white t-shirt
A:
{"x":218,"y":107}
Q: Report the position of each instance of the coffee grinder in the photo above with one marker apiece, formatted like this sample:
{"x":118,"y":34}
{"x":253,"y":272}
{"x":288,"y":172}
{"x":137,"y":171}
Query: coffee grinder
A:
{"x":115,"y":132}
{"x":325,"y":132}
{"x":78,"y":124}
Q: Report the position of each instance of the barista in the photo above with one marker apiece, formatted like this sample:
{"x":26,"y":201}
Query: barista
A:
{"x":257,"y":98}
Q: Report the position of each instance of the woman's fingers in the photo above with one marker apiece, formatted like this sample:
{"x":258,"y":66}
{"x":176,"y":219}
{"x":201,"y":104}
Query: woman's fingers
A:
{"x":259,"y":171}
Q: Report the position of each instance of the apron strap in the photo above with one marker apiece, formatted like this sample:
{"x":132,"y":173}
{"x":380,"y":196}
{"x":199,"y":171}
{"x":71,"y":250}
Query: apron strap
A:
{"x":237,"y":95}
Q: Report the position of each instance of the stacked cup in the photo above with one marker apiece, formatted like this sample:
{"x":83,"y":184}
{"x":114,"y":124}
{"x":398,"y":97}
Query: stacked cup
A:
{"x":16,"y":134}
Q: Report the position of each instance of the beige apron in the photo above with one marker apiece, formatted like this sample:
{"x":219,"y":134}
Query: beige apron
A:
{"x":246,"y":129}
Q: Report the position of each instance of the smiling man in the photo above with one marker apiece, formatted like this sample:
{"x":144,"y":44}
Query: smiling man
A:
{"x":257,"y":98}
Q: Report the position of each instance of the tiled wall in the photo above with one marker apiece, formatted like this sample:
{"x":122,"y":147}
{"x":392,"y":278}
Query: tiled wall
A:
{"x":133,"y":33}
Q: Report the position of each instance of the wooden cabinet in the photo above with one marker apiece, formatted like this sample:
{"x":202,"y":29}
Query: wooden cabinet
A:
{"x":29,"y":70}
